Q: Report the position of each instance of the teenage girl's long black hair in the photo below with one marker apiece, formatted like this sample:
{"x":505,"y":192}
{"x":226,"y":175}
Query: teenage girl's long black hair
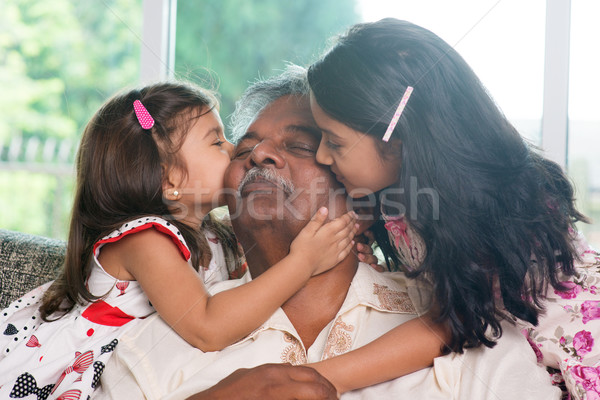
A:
{"x":495,"y":216}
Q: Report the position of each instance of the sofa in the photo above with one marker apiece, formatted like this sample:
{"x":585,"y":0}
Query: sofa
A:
{"x":27,"y":261}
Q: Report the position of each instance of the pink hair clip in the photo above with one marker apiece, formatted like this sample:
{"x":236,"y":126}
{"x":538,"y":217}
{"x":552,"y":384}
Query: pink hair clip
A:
{"x":143,"y":116}
{"x":397,"y":114}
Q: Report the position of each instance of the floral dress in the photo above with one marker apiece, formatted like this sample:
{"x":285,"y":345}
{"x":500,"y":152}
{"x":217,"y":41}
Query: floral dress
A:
{"x":64,"y":359}
{"x":567,"y":338}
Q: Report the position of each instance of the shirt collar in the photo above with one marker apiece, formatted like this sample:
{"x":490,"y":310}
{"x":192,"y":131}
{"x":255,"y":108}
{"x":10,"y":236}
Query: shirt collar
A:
{"x":386,"y":292}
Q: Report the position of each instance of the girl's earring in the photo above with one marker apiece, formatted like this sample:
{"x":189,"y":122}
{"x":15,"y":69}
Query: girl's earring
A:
{"x":174,"y":195}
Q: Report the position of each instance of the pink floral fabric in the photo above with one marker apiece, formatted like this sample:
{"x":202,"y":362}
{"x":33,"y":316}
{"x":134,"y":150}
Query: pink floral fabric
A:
{"x":408,"y":244}
{"x":567,"y":338}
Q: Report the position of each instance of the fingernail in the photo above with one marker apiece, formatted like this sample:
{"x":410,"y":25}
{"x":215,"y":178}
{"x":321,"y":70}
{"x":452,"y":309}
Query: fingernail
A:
{"x":356,"y":226}
{"x":361,"y":257}
{"x":323,"y":210}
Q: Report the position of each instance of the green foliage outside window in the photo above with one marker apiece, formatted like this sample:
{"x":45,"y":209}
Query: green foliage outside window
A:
{"x":61,"y":59}
{"x":228,"y":44}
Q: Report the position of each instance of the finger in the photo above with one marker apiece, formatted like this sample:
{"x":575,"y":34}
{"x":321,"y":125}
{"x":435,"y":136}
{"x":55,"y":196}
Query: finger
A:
{"x":377,"y":267}
{"x":317,"y":220}
{"x":306,"y":374}
{"x":303,"y":373}
{"x":345,"y":232}
{"x":345,"y":249}
{"x":368,"y":259}
{"x":371,"y":259}
{"x":349,"y":217}
{"x":345,"y":242}
{"x":364,"y":249}
{"x":345,"y":220}
{"x":340,"y":227}
{"x":311,"y":384}
{"x":361,"y":238}
{"x":309,"y":391}
{"x":349,"y":229}
{"x":371,"y":236}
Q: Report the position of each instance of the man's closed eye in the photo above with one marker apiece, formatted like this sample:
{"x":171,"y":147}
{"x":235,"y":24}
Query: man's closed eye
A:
{"x":242,"y":153}
{"x":302,"y":149}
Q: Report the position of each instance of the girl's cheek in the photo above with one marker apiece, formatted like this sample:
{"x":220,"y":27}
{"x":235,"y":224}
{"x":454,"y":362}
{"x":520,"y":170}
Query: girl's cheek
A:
{"x":230,"y":148}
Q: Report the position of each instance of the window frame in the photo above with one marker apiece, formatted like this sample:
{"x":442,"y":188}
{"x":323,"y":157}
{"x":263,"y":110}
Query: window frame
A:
{"x":158,"y":59}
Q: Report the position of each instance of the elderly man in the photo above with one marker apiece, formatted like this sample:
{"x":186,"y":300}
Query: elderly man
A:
{"x":278,"y":186}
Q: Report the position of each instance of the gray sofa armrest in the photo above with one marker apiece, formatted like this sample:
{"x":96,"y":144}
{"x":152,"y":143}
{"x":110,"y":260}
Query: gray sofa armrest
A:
{"x":27,"y":261}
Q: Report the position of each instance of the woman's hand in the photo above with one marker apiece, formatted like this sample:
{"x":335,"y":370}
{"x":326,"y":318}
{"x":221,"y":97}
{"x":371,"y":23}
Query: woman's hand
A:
{"x":364,"y":249}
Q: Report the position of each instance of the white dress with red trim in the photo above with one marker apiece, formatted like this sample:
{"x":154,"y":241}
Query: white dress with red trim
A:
{"x":64,"y":359}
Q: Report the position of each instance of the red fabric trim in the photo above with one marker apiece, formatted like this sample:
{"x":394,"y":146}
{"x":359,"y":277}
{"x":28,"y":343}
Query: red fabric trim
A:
{"x":152,"y":224}
{"x":239,"y":272}
{"x":100,"y":312}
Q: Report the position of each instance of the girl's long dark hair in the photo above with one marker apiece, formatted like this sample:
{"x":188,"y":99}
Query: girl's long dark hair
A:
{"x":495,"y":216}
{"x":120,"y":172}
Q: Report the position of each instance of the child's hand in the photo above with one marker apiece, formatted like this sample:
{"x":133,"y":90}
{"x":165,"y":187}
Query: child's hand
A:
{"x":364,"y":250}
{"x":322,"y":246}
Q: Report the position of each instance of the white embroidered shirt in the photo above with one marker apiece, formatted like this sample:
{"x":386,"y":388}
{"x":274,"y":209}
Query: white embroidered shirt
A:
{"x":153,"y":362}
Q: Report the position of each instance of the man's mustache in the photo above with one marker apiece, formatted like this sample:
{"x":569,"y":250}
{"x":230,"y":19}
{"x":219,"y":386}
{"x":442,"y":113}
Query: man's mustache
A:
{"x":266,"y":174}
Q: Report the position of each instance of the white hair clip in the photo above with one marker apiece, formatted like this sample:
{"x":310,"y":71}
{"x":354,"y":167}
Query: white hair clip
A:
{"x":397,"y":114}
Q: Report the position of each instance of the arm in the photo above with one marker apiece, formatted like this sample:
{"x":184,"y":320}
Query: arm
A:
{"x":211,"y":323}
{"x":405,"y":349}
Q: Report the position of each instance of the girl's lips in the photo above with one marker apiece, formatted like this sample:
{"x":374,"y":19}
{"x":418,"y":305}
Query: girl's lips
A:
{"x":338,"y":176}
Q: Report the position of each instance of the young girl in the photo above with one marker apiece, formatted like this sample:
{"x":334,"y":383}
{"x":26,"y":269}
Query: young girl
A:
{"x":467,"y":206}
{"x":149,"y":169}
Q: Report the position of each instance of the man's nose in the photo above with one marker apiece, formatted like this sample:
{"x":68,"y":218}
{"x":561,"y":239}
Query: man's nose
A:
{"x":266,"y":154}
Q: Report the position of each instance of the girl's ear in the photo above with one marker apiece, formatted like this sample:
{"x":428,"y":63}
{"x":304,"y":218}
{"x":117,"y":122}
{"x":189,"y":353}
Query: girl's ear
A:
{"x":172,"y":180}
{"x":391,"y":150}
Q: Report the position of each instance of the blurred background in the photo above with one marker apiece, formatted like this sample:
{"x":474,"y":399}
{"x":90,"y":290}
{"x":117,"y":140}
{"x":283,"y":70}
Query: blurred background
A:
{"x":60,"y":60}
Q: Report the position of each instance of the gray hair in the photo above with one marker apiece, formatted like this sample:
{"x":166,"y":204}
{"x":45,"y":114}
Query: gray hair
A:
{"x":292,"y":81}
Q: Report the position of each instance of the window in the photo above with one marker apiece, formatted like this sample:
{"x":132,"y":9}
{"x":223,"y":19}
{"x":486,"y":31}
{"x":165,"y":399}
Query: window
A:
{"x":59,"y":61}
{"x":584,"y":113}
{"x":226,"y":44}
{"x":503,"y":41}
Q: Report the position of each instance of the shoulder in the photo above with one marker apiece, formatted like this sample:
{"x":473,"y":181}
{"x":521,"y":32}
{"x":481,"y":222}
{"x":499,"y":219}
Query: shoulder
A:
{"x":144,"y":231}
{"x":388,"y":292}
{"x":144,"y":360}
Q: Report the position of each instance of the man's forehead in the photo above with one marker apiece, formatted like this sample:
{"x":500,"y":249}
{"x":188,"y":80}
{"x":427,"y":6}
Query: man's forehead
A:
{"x":288,"y":115}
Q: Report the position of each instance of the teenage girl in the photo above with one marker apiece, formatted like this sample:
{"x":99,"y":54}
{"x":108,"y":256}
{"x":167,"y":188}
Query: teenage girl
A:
{"x":150,"y":167}
{"x":467,"y":205}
